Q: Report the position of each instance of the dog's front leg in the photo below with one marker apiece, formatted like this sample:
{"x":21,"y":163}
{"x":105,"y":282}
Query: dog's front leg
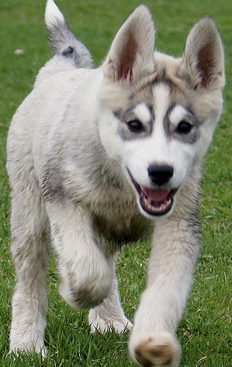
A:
{"x":170,"y":273}
{"x":86,"y":274}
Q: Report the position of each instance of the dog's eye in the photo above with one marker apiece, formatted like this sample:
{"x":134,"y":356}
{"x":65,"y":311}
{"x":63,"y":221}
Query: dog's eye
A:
{"x":135,"y":126}
{"x":184,"y":127}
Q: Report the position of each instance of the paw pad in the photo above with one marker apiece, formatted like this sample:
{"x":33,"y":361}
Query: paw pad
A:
{"x":157,"y":352}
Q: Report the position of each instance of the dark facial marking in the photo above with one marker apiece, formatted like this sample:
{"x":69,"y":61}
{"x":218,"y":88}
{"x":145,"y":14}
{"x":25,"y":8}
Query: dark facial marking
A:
{"x":189,"y":137}
{"x":129,"y":119}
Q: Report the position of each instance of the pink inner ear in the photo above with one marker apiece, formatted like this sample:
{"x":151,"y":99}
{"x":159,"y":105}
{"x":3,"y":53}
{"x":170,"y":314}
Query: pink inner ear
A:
{"x":206,"y":63}
{"x":127,"y":58}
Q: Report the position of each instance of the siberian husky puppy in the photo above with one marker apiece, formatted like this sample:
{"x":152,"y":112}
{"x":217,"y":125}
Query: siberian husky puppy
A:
{"x":101,"y":157}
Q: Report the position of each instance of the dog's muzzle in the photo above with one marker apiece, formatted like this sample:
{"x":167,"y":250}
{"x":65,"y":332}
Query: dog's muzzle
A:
{"x":154,"y":202}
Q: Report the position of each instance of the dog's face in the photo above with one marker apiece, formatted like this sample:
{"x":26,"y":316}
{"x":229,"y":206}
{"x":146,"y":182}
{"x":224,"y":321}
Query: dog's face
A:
{"x":158,"y":114}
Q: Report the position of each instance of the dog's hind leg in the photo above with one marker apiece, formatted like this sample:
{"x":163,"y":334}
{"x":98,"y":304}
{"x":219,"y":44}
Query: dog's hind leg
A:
{"x":109,"y":314}
{"x":86,"y":274}
{"x":30,"y":254}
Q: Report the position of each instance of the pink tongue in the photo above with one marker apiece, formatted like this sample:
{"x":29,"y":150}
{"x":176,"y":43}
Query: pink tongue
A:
{"x":155,"y":195}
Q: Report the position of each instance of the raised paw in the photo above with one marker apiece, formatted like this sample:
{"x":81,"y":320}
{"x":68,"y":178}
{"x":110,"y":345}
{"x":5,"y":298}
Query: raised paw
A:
{"x":156,"y":351}
{"x":89,"y":286}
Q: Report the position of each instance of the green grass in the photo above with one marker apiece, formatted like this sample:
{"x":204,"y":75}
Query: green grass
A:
{"x":205,"y":331}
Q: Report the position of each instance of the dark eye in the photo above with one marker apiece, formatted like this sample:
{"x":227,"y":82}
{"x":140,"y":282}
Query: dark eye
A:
{"x":135,"y":126}
{"x":184,"y":127}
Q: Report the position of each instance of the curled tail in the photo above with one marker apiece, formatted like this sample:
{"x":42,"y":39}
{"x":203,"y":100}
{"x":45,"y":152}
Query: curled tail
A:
{"x":61,"y":39}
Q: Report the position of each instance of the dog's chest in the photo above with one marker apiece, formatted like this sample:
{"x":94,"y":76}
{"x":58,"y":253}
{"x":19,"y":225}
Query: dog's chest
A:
{"x":107,"y":196}
{"x":117,"y":219}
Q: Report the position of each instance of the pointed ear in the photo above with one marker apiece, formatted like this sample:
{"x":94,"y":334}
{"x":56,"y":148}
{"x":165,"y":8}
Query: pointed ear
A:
{"x":132,"y":52}
{"x":203,"y":60}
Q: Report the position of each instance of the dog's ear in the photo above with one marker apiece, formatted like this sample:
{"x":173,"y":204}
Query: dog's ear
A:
{"x":132,"y":52}
{"x":203,"y":60}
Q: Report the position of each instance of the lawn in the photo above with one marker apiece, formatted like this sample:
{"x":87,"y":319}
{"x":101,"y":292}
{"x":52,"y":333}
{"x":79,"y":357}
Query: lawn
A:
{"x":205,"y":331}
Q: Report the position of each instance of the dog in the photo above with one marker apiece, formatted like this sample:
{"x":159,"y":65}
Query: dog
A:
{"x":100,"y":157}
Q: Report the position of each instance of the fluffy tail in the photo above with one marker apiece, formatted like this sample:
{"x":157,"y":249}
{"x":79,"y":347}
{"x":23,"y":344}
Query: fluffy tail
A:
{"x":61,"y":39}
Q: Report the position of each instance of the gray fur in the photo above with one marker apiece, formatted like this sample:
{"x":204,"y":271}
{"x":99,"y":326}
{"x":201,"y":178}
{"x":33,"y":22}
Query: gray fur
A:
{"x":63,"y":42}
{"x":80,"y":177}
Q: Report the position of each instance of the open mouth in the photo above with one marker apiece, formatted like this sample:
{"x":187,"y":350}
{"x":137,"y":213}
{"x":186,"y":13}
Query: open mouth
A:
{"x":155,"y":202}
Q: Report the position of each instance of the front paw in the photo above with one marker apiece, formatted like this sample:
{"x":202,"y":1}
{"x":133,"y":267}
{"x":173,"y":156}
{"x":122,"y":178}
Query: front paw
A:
{"x":86,"y":295}
{"x":27,"y":347}
{"x":86,"y":287}
{"x":157,"y":350}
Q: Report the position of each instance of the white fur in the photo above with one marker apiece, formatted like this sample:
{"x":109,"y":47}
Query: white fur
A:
{"x":71,"y":154}
{"x":143,"y":113}
{"x":177,"y":114}
{"x":52,"y":14}
{"x":155,"y":149}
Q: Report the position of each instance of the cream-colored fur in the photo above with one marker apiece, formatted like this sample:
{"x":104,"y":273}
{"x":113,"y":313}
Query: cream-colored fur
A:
{"x":100,"y":157}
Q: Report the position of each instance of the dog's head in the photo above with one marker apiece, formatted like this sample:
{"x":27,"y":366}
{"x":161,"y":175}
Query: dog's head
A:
{"x":158,"y":113}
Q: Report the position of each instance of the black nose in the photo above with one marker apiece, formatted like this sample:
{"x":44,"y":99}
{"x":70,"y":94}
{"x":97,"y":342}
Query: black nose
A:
{"x":160,"y":175}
